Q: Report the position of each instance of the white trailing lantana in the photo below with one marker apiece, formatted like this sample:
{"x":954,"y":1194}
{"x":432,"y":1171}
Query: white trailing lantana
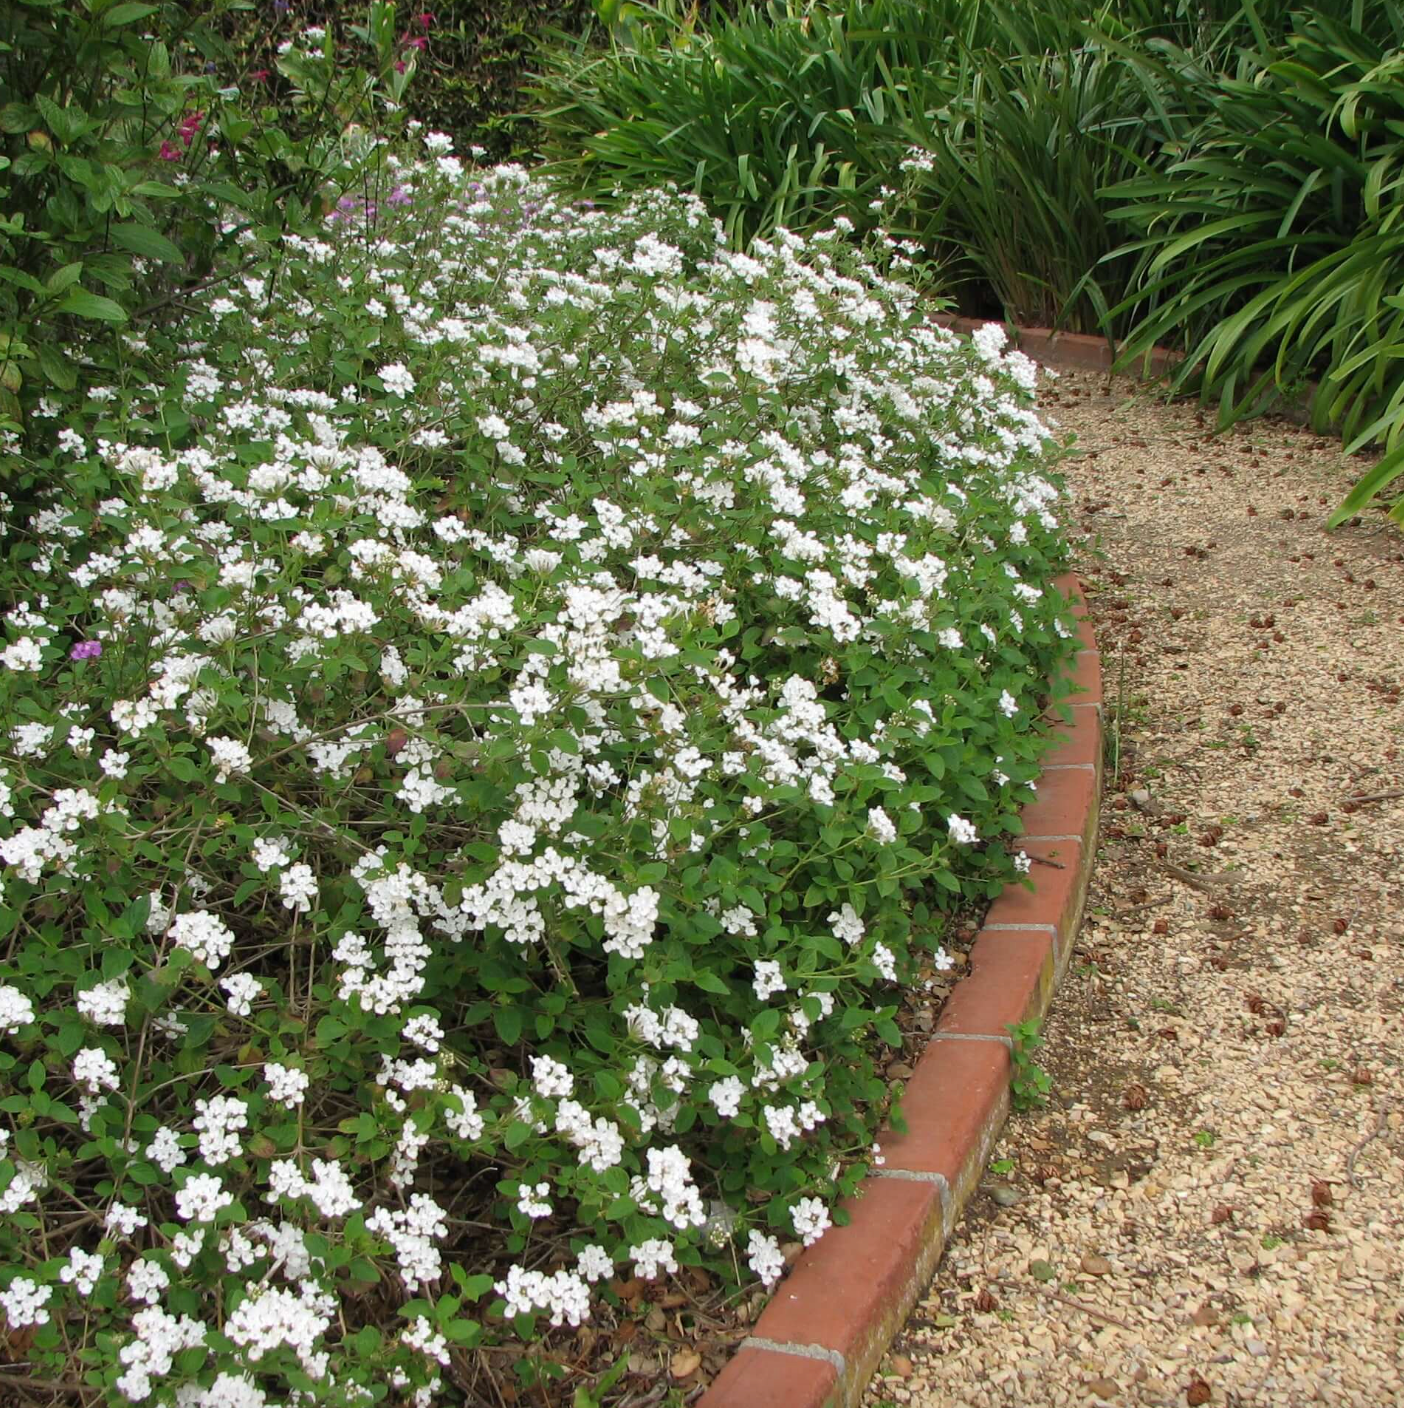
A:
{"x":521,"y":744}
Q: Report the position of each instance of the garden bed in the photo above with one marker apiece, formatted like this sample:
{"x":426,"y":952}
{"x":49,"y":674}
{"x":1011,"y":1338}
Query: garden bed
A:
{"x":489,"y":725}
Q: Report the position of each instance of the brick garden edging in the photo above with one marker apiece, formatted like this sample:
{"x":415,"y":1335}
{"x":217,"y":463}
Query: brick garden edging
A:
{"x":1068,"y":351}
{"x":823,"y":1333}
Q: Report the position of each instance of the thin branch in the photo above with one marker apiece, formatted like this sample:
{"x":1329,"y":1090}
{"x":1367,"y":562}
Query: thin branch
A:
{"x":1381,"y":1111}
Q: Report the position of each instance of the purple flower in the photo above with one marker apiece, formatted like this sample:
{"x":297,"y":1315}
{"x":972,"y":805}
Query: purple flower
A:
{"x":86,"y":650}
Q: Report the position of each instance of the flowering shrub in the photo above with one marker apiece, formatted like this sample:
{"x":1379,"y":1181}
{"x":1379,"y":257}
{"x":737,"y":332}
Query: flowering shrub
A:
{"x":485,"y":729}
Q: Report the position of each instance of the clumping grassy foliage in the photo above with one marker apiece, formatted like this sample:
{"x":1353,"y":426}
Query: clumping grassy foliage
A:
{"x":493,"y":700}
{"x":1270,"y":240}
{"x":777,"y":118}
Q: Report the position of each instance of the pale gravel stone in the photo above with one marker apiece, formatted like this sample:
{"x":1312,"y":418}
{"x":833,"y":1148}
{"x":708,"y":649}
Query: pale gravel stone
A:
{"x":1314,"y":1317}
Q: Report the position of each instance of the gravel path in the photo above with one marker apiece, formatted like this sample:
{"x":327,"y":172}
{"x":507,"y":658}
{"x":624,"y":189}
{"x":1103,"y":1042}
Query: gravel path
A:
{"x":1210,"y":1210}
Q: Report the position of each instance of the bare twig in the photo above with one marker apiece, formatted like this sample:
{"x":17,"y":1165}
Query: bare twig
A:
{"x":1089,"y":1310}
{"x":1145,"y":904}
{"x":1378,"y":796}
{"x":1067,"y":1300}
{"x":1381,"y":1110}
{"x":1200,"y":882}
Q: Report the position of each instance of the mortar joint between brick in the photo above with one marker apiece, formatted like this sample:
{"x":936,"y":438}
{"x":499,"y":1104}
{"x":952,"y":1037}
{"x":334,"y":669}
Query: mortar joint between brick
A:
{"x":915,"y":1175}
{"x":799,"y":1351}
{"x":1022,"y":929}
{"x":1003,"y":1041}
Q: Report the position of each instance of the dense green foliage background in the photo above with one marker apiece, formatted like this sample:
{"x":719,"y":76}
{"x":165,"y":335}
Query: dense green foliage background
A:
{"x":470,"y":74}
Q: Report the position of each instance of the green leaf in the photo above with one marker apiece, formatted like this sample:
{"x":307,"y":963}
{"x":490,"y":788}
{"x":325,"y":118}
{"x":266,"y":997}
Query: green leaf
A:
{"x":157,"y":190}
{"x":146,"y":242}
{"x":56,"y":370}
{"x":329,"y":1029}
{"x":473,"y":1288}
{"x":67,"y":124}
{"x":1372,"y":482}
{"x":127,"y":13}
{"x":79,"y":303}
{"x":20,"y":279}
{"x":64,"y":278}
{"x":508,"y":1023}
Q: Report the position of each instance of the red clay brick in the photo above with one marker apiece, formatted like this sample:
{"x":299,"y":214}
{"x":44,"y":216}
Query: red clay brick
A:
{"x":1087,"y":640}
{"x":953,"y":1106}
{"x":1079,"y":742}
{"x":764,"y":1378}
{"x":1086,"y":673}
{"x":1066,"y":349}
{"x":1055,"y":898}
{"x":1063,"y":805}
{"x":881,"y":1260}
{"x":1069,"y":586}
{"x":1012,"y":976}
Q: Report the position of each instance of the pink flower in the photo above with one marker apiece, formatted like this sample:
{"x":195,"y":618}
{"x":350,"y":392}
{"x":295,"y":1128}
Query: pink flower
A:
{"x":170,"y":152}
{"x":424,"y":20}
{"x":190,"y":125}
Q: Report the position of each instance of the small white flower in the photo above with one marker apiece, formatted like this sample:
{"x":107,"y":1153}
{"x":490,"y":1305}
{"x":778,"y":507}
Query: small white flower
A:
{"x":726,"y":1096}
{"x":287,"y":1085}
{"x":243,"y":989}
{"x":201,"y":1199}
{"x":83,"y":1270}
{"x":299,"y":888}
{"x":396,"y":379}
{"x":764,"y":1257}
{"x":16,"y":1010}
{"x":230,"y":756}
{"x":768,"y":980}
{"x":94,"y":1070}
{"x":652,"y":1258}
{"x":534,"y":1202}
{"x":550,"y":1078}
{"x":24,"y":1301}
{"x":594,"y":1263}
{"x":106,"y":1004}
{"x":811,"y":1220}
{"x":846,"y":925}
{"x":146,"y":1280}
